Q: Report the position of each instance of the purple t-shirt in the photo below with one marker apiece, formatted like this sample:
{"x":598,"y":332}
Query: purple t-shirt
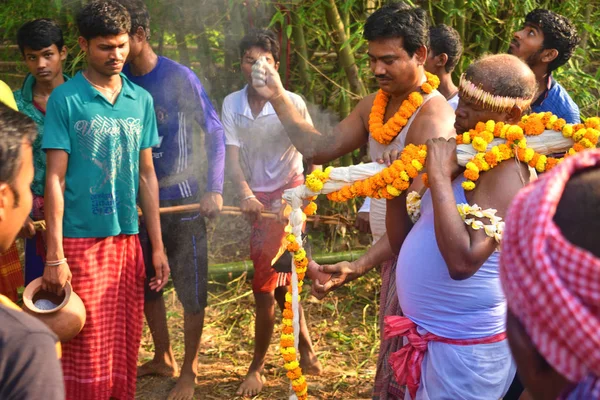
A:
{"x":179,"y":100}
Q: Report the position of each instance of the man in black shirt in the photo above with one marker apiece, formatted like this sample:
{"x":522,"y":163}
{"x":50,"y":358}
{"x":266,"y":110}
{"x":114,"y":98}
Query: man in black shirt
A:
{"x":29,"y":366}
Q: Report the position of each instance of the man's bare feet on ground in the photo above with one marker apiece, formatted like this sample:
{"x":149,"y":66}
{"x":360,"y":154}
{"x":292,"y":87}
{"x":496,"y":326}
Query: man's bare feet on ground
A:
{"x":311,"y":365}
{"x":155,"y":367}
{"x":184,"y":388}
{"x":252,"y":385}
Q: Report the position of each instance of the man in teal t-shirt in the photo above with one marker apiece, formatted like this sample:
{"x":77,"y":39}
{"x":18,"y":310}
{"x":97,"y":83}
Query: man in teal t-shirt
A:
{"x":103,"y":142}
{"x":98,"y":136}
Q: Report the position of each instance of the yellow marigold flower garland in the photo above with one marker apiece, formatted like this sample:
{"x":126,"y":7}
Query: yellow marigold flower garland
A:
{"x":385,"y":133}
{"x":287,"y":349}
{"x":585,"y":136}
{"x":390,"y":182}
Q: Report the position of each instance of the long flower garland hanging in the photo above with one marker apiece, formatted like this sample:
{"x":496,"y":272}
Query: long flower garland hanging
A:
{"x":385,"y":133}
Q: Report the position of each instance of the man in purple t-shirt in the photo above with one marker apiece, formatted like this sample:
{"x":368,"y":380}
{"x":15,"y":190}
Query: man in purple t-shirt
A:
{"x":179,"y":100}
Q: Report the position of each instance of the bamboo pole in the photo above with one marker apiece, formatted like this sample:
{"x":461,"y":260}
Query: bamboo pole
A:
{"x":234,"y":269}
{"x":346,"y":58}
{"x":233,"y":211}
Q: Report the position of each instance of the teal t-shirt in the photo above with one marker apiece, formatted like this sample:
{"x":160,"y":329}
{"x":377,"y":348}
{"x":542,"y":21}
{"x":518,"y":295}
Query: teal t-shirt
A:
{"x":24,"y":99}
{"x":104,"y":143}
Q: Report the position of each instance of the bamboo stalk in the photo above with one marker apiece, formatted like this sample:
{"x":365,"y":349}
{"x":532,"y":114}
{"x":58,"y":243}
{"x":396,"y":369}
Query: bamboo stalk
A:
{"x":231,"y":211}
{"x":345,"y":56}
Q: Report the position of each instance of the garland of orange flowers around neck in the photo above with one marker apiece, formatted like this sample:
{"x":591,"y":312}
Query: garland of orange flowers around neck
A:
{"x":385,"y":133}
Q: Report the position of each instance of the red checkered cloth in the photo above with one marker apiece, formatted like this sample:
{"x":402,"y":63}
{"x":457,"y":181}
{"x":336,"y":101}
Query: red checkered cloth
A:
{"x":11,"y":273}
{"x":386,"y":387}
{"x":108,"y":274}
{"x":266,"y":240}
{"x":406,"y":362}
{"x":552,"y":286}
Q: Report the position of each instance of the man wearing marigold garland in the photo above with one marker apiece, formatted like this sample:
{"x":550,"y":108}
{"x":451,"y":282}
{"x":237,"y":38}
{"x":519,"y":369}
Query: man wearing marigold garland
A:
{"x":447,"y":274}
{"x":545,"y":43}
{"x":407,"y":110}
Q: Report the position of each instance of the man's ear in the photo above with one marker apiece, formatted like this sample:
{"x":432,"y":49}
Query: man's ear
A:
{"x":514,"y":115}
{"x":63,"y":53}
{"x":4,"y":194}
{"x":277,"y":66}
{"x":421,"y":55}
{"x":140,"y":34}
{"x":441,"y":60}
{"x":83,"y":43}
{"x":549,"y":55}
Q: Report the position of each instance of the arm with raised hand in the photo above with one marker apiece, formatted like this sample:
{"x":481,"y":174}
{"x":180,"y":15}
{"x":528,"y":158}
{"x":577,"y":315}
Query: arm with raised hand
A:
{"x":319,"y":147}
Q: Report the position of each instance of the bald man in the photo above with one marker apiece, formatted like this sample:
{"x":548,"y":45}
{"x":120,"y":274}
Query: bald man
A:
{"x":447,"y":275}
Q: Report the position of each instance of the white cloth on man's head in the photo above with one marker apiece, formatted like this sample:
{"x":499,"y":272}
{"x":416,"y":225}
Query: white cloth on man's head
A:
{"x":267,"y":156}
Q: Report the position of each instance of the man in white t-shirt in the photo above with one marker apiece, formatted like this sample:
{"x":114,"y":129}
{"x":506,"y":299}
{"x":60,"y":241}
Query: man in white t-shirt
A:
{"x":262,"y":163}
{"x":444,"y":52}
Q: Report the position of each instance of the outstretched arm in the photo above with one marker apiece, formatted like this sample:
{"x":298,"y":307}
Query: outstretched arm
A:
{"x":345,"y":271}
{"x":319,"y":147}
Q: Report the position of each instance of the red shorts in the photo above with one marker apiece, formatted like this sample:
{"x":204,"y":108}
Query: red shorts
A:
{"x":265,"y":243}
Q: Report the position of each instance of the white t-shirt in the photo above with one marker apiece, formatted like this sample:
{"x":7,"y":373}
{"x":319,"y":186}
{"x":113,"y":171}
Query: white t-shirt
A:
{"x":267,"y":156}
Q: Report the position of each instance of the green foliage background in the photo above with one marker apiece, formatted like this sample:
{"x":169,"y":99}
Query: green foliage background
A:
{"x":204,"y":35}
{"x":323,"y":52}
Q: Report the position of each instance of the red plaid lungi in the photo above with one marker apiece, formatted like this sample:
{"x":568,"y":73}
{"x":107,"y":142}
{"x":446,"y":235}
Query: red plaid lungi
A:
{"x":406,"y":362}
{"x":386,"y":387}
{"x":108,"y":275}
{"x":11,"y":272}
{"x":265,"y":242}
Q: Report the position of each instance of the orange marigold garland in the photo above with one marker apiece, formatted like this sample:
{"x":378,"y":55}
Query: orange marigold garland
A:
{"x":585,"y":136}
{"x":385,"y":133}
{"x":390,"y":182}
{"x":287,"y":347}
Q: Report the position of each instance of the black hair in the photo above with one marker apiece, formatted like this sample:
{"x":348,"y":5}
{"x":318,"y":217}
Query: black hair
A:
{"x":505,"y":74}
{"x":444,"y":39}
{"x":399,"y":20}
{"x":39,"y":34}
{"x":578,"y":211}
{"x":140,"y":17}
{"x":14,"y":127}
{"x":103,"y":18}
{"x":559,"y":34}
{"x":264,"y":39}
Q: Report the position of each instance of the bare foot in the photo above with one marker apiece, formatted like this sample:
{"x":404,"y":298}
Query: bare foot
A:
{"x":252,"y":385}
{"x":184,"y":388}
{"x":155,"y":367}
{"x":310,"y":364}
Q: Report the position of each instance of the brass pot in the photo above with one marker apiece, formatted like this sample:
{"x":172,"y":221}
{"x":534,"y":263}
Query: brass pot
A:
{"x":66,"y":320}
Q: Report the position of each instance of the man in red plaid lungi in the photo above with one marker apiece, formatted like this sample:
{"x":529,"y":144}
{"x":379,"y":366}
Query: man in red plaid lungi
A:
{"x":98,"y":137}
{"x":551,"y":276}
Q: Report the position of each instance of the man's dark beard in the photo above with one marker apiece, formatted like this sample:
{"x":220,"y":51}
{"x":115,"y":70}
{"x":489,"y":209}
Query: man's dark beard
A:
{"x":534,"y":58}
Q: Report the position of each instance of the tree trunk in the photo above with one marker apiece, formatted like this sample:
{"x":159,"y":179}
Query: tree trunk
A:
{"x":585,"y":34}
{"x":345,"y":56}
{"x":300,"y":46}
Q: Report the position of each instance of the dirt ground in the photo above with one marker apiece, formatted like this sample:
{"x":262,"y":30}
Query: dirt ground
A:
{"x":343,"y":328}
